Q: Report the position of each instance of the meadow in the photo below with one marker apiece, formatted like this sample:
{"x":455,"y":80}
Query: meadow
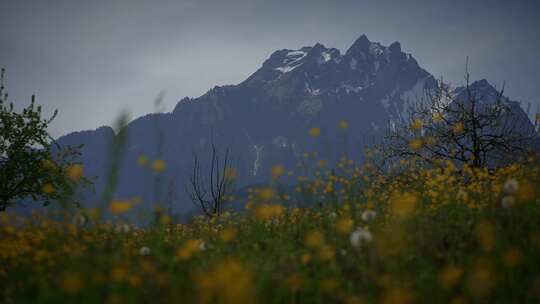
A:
{"x":420,"y":235}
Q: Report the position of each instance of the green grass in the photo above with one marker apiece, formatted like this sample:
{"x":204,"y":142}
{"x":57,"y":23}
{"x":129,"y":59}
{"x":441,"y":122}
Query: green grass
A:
{"x":439,"y":236}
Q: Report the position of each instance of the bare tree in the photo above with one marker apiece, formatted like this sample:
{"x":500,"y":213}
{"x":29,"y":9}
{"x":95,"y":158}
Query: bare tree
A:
{"x":209,"y":187}
{"x":470,"y":128}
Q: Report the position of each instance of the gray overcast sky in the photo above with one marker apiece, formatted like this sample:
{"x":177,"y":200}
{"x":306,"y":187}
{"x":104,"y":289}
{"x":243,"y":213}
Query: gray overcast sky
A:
{"x":93,"y":59}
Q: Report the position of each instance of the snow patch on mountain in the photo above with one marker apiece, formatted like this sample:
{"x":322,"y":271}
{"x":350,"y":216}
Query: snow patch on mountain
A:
{"x":385,"y":101}
{"x":312,"y":91}
{"x":375,"y":127}
{"x":293,"y":59}
{"x":353,"y":64}
{"x":419,"y":93}
{"x":376,"y":49}
{"x":287,"y":68}
{"x":349,"y":88}
{"x":326,"y":56}
{"x":310,"y":106}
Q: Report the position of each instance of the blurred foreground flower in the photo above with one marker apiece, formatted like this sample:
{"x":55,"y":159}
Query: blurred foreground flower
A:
{"x":122,"y":228}
{"x":360,"y":236}
{"x":230,"y":174}
{"x":269,"y":211}
{"x":314,"y":132}
{"x":416,"y":125}
{"x":190,"y":247}
{"x":228,"y":234}
{"x":314,"y":239}
{"x":344,"y":225}
{"x":368,"y":215}
{"x":48,"y":188}
{"x":458,"y":128}
{"x":508,"y":201}
{"x":265,"y":194}
{"x":79,"y":220}
{"x":144,"y":251}
{"x":415,"y":144}
{"x":158,"y":165}
{"x":450,"y":276}
{"x":437,"y":117}
{"x":71,"y":283}
{"x":118,"y":207}
{"x":228,"y":282}
{"x":142,"y":160}
{"x":75,"y":172}
{"x":511,"y":186}
{"x":403,"y":205}
{"x":277,"y":171}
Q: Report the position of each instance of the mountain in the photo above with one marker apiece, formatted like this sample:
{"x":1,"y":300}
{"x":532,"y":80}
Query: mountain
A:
{"x":265,"y":119}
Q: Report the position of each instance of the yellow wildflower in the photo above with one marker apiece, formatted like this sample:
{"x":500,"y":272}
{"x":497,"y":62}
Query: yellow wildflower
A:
{"x":416,"y":125}
{"x":142,"y":160}
{"x":228,"y":282}
{"x":306,"y":257}
{"x":277,"y":171}
{"x":48,"y":188}
{"x":458,"y":128}
{"x":512,"y":257}
{"x":265,"y":194}
{"x":119,"y":273}
{"x":326,"y":253}
{"x":415,"y":144}
{"x":190,"y":247}
{"x":228,"y":234}
{"x":71,"y":283}
{"x":48,"y":164}
{"x":344,"y":225}
{"x":75,"y":172}
{"x":403,"y":205}
{"x":158,"y":166}
{"x":268,"y":211}
{"x":437,"y":117}
{"x":322,"y":162}
{"x":450,"y":276}
{"x":118,"y":206}
{"x":314,"y":132}
{"x":230,"y":174}
{"x":294,"y":282}
{"x":314,"y":239}
{"x":398,"y":295}
{"x":485,"y":233}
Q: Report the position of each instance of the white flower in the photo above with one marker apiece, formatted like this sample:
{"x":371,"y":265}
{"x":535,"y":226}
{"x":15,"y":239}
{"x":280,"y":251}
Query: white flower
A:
{"x":202,"y":246}
{"x":511,"y":186}
{"x":508,"y":201}
{"x":368,"y":215}
{"x":79,"y":220}
{"x":144,"y":250}
{"x":359,"y":236}
{"x":122,"y":228}
{"x":333,"y":215}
